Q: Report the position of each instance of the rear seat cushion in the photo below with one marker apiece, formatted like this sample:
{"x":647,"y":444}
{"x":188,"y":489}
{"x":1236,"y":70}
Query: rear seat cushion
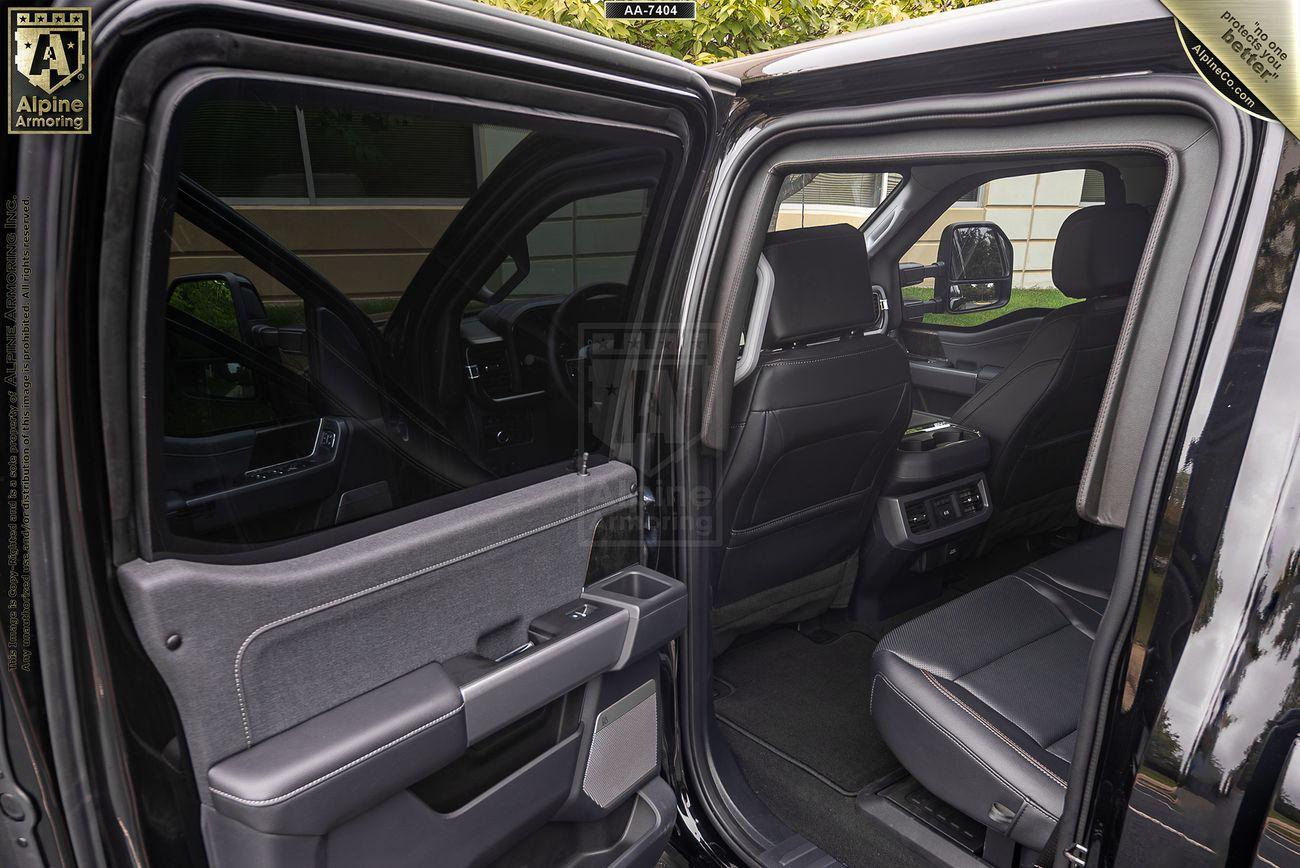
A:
{"x":979,"y":698}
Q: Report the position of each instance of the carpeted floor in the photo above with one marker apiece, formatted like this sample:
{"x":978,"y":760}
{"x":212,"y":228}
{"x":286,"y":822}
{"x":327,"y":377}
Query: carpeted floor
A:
{"x":792,"y":704}
{"x":821,"y":814}
{"x":807,"y":701}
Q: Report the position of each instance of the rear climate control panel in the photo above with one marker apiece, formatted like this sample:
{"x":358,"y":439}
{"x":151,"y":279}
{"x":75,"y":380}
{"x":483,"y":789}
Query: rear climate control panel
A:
{"x":923,"y":517}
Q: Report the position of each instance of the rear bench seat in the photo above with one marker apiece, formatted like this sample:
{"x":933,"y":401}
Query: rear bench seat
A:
{"x":979,"y":698}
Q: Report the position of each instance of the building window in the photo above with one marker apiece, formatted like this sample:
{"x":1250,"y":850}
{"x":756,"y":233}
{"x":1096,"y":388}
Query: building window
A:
{"x":822,"y":198}
{"x":1094,"y":188}
{"x":255,"y":152}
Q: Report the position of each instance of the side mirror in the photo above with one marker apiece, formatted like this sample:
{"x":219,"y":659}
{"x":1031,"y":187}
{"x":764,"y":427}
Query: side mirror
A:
{"x":229,"y":303}
{"x":977,"y":265}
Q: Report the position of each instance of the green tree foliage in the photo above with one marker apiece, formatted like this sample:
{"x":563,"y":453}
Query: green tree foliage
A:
{"x":208,"y":301}
{"x":733,"y":28}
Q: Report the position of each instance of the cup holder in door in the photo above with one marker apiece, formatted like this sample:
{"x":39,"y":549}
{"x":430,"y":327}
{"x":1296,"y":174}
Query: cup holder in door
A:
{"x":637,"y":585}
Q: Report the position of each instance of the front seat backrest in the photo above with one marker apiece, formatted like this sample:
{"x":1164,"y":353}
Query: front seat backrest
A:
{"x":811,"y":434}
{"x":1040,"y":412}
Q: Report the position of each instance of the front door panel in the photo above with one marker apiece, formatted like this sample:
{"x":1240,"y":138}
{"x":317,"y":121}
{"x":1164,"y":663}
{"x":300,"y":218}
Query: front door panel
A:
{"x":952,"y":363}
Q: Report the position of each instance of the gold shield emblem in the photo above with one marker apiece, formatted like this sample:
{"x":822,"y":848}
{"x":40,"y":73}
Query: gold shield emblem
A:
{"x":49,"y":55}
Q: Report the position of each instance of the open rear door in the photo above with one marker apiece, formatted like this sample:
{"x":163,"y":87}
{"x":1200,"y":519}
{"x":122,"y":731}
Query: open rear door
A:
{"x":387,"y":574}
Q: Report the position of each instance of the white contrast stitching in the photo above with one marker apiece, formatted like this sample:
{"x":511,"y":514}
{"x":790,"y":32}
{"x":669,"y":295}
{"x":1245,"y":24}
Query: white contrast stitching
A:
{"x":341,"y":769}
{"x":239,"y":656}
{"x":779,"y":363}
{"x":990,"y":727}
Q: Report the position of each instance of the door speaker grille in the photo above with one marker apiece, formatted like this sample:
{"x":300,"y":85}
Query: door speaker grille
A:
{"x":624,"y":747}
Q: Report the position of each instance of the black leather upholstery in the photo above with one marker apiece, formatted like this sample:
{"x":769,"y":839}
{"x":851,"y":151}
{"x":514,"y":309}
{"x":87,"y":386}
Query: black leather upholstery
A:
{"x":980,"y":697}
{"x":1039,"y":413}
{"x":827,"y":289}
{"x":1098,"y":250}
{"x":812,"y":429}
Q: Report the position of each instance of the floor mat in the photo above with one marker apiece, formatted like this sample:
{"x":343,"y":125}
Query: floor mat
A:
{"x":824,"y":816}
{"x":807,"y":702}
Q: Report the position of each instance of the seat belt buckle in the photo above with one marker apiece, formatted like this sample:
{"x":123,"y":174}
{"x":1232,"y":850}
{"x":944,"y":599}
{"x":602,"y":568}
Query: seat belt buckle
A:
{"x":1077,"y":855}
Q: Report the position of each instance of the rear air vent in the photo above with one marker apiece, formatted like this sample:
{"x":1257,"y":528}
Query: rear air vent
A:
{"x":918,"y":520}
{"x":969,"y":499}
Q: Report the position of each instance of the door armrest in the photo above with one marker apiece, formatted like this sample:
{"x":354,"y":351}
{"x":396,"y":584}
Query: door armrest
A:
{"x":307,"y":779}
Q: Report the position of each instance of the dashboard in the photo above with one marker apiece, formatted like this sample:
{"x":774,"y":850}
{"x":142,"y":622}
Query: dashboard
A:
{"x":513,"y":411}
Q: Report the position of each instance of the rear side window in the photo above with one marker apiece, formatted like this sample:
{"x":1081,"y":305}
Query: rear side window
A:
{"x":358,"y":310}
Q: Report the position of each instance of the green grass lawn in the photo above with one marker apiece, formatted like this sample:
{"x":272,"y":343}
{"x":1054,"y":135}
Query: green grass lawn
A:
{"x":289,"y":313}
{"x":1021,"y":298}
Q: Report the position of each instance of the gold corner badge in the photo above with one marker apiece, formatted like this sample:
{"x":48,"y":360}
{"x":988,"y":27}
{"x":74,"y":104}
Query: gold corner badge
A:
{"x":1247,"y":50}
{"x":49,"y":71}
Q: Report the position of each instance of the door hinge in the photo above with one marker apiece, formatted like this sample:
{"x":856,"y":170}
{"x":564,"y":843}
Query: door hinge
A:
{"x":1077,"y":854}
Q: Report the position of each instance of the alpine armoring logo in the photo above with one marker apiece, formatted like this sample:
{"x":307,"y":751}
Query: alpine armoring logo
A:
{"x":49,"y":72}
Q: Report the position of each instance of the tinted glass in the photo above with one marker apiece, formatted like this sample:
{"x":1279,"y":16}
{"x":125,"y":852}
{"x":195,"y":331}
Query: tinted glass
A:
{"x":221,"y":138}
{"x":384,"y":156}
{"x":289,"y":406}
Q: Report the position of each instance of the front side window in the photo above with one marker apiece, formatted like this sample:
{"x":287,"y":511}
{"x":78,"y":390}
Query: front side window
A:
{"x":361,"y":309}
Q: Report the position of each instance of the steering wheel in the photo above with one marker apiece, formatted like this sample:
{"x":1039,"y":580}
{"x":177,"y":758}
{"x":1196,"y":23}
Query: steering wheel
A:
{"x":564,"y":354}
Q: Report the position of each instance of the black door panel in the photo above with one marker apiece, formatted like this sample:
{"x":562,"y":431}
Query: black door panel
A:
{"x":278,"y":481}
{"x":339,"y":683}
{"x":942,"y":387}
{"x":951,"y":363}
{"x":996,"y":343}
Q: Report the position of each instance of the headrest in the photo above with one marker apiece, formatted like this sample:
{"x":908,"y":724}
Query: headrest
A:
{"x":1098,"y":250}
{"x":820,"y":283}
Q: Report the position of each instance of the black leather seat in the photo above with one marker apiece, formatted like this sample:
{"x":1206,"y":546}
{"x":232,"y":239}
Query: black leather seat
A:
{"x":979,"y":699}
{"x":1040,"y":412}
{"x":811,"y":433}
